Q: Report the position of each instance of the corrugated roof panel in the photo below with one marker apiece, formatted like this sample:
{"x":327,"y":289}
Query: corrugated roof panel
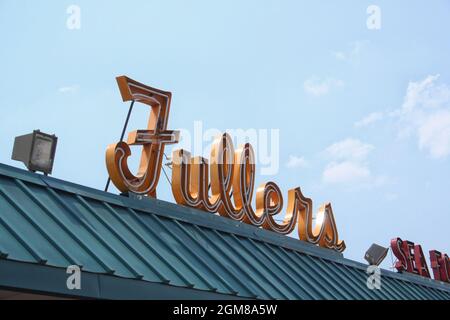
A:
{"x":329,"y":280}
{"x":24,"y":231}
{"x":157,"y":252}
{"x":203,"y":259}
{"x":307,"y":290}
{"x":149,"y":264}
{"x":56,"y":225}
{"x":215,"y":261}
{"x":415,"y":290}
{"x":163,"y":248}
{"x":45,"y":220}
{"x":100,"y":243}
{"x":61,"y":222}
{"x":188,"y":258}
{"x":240,"y":265}
{"x":320,"y":281}
{"x":287,"y":276}
{"x":14,"y":245}
{"x":333,"y":277}
{"x":394,"y":291}
{"x":120,"y":239}
{"x":260,"y":269}
{"x":302,"y":279}
{"x":281,"y":276}
{"x":359,"y":277}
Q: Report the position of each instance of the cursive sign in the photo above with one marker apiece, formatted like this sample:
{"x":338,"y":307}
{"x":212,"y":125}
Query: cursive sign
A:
{"x":225,"y":186}
{"x":230,"y":177}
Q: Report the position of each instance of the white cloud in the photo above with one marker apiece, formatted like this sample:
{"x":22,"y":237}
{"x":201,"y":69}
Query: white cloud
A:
{"x":425,"y":113}
{"x":349,"y":165}
{"x":69,"y":89}
{"x":319,"y":87}
{"x":296,"y":162}
{"x":369,"y":119}
{"x":345,"y":172}
{"x":425,"y":94}
{"x":434,"y":134}
{"x":349,"y":149}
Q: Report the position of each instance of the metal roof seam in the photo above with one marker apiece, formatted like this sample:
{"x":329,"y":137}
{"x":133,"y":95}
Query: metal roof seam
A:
{"x":242,"y":259}
{"x":214,"y":255}
{"x":121,"y":239}
{"x":235,"y":265}
{"x":332,"y":275}
{"x":196,"y":272}
{"x":281,"y":270}
{"x":155,"y":252}
{"x":206,"y":265}
{"x":37,"y":256}
{"x":312,"y":290}
{"x":37,"y":226}
{"x":142,"y":240}
{"x":360,"y":279}
{"x":329,"y":293}
{"x":90,"y":230}
{"x":307,"y":292}
{"x":66,"y":229}
{"x":264,"y":267}
{"x":410,"y":290}
{"x":302,"y":260}
{"x":41,"y":230}
{"x":188,"y":283}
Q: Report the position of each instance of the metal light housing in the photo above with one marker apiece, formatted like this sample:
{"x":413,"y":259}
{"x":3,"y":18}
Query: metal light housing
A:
{"x":376,"y":254}
{"x":36,"y":150}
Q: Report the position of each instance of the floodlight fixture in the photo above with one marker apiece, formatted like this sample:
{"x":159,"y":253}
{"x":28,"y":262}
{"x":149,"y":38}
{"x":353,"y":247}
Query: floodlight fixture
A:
{"x":376,"y":254}
{"x":36,"y":150}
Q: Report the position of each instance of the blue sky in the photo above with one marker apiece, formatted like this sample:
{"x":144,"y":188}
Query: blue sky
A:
{"x":364,"y":115}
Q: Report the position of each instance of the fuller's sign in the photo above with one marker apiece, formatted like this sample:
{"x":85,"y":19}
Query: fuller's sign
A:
{"x":225,"y":184}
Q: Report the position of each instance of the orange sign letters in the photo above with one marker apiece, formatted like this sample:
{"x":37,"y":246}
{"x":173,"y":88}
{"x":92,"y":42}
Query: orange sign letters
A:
{"x":152,"y":140}
{"x":232,"y":175}
{"x":225,"y":185}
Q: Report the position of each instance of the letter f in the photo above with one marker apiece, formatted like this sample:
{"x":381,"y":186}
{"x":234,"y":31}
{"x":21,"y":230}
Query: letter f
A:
{"x":153,"y":139}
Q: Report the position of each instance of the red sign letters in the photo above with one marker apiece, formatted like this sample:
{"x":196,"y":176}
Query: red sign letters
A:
{"x":440,"y":265}
{"x":410,"y":258}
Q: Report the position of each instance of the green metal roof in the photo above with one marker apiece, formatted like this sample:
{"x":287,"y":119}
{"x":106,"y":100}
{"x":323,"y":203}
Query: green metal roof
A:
{"x":51,"y":223}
